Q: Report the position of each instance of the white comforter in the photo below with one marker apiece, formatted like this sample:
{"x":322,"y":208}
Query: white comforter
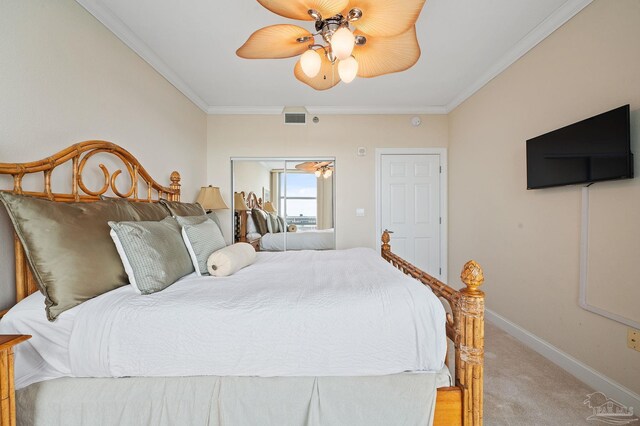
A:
{"x":332,"y":313}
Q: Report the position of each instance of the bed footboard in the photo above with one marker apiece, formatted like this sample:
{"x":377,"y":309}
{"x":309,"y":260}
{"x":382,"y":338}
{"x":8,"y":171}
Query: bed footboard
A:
{"x":465,"y":327}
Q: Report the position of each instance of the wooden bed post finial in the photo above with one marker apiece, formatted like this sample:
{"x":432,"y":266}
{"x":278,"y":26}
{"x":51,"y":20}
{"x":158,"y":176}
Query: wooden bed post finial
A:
{"x":385,"y":241}
{"x":175,"y":184}
{"x":470,"y":361}
{"x":472,"y":276}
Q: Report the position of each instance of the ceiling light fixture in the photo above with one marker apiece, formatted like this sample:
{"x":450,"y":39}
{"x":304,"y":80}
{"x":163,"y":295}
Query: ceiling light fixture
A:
{"x":324,"y":171}
{"x":382,"y":41}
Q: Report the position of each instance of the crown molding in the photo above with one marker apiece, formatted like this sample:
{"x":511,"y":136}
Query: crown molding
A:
{"x":554,"y":21}
{"x":245,"y":110}
{"x":373,"y":110}
{"x":124,"y":33}
{"x":565,"y":12}
{"x":327,"y":110}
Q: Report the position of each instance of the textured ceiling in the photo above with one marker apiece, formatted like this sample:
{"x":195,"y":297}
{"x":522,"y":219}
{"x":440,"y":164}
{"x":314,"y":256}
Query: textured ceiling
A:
{"x":464,"y":44}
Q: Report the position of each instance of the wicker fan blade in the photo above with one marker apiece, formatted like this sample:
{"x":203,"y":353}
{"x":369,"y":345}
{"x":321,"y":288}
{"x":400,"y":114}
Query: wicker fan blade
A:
{"x":326,"y":78}
{"x":309,"y":166}
{"x":312,"y":166}
{"x":297,"y":9}
{"x":385,"y":18}
{"x":274,"y":42}
{"x":385,"y":55}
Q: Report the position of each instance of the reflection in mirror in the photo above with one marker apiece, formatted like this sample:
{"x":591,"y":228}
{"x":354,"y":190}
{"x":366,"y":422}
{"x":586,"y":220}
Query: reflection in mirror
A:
{"x":284,"y":204}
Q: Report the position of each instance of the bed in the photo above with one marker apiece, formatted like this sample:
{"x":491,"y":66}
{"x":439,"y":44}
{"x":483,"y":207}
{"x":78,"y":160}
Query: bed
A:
{"x":322,"y":239}
{"x":357,"y":365}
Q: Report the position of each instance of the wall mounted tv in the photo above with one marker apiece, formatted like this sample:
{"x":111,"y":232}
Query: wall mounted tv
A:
{"x":592,"y":150}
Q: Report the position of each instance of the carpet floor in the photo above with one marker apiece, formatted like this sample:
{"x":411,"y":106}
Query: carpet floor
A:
{"x":523,"y":388}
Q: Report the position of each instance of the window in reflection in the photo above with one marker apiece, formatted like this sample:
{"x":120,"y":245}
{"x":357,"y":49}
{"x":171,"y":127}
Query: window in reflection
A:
{"x":299,"y":199}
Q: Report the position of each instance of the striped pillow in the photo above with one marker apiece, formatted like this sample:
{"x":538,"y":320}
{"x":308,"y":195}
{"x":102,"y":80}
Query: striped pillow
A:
{"x":202,"y":240}
{"x":152,"y":253}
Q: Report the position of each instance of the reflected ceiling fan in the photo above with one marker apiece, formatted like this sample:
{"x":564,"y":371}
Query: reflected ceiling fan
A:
{"x":383,"y":40}
{"x":319,"y":168}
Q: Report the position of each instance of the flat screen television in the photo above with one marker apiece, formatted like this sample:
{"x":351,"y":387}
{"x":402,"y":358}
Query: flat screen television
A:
{"x":592,"y":150}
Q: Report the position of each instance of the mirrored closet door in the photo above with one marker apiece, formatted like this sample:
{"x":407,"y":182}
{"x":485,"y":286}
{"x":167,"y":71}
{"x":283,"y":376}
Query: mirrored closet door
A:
{"x":284,"y":204}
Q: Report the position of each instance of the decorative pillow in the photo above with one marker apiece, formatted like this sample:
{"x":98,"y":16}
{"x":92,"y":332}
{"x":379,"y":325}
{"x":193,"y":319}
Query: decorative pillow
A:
{"x":214,"y":217}
{"x":230,"y":260}
{"x":196,"y":220}
{"x":176,"y":208}
{"x":153,"y":253}
{"x":190,"y":220}
{"x":202,"y":240}
{"x":292,"y":228}
{"x":251,"y":225}
{"x":260,"y":217}
{"x":272,"y":223}
{"x":68,"y":247}
{"x":143,"y":210}
{"x":283,"y":223}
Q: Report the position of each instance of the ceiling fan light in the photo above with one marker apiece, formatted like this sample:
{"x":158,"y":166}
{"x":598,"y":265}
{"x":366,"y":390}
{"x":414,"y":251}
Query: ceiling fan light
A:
{"x":328,"y":173}
{"x":310,"y":62}
{"x":318,"y":173}
{"x":342,"y":43}
{"x":348,"y":69}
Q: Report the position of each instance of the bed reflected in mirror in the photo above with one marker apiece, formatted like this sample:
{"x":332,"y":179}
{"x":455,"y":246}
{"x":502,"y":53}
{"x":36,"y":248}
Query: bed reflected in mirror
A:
{"x":284,"y":204}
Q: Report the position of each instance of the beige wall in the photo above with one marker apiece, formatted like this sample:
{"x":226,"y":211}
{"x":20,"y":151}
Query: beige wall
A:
{"x":65,"y":78}
{"x":250,"y":176}
{"x":528,"y":241}
{"x":334,"y":136}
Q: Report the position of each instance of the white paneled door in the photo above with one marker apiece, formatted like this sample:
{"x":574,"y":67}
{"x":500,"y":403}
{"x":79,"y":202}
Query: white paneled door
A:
{"x":410,"y":197}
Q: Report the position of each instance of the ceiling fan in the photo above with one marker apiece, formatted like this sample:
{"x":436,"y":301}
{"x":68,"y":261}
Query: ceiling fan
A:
{"x":384,"y":40}
{"x":320,"y":168}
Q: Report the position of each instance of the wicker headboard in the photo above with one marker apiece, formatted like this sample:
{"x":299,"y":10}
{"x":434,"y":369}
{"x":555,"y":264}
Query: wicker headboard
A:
{"x":78,"y":155}
{"x":253,"y":201}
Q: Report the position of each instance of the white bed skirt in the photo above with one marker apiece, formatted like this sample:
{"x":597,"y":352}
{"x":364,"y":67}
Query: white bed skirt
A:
{"x":400,"y":399}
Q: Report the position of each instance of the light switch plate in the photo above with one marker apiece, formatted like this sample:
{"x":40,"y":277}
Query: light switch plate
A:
{"x":360,"y":212}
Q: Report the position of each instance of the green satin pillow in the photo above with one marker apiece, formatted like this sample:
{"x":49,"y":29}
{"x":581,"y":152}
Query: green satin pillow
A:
{"x":260,"y":217}
{"x":143,"y":210}
{"x":195,"y":220}
{"x":176,"y":208}
{"x":68,"y":247}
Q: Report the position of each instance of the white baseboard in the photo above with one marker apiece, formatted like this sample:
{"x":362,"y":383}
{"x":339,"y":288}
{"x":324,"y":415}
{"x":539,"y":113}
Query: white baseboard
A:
{"x":581,"y":371}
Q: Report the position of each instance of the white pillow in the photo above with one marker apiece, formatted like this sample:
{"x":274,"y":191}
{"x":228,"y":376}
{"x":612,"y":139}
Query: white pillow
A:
{"x":125,"y":261}
{"x":231,"y":259}
{"x":251,"y":225}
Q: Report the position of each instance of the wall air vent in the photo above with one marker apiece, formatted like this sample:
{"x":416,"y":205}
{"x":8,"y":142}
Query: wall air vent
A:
{"x":295,"y":115}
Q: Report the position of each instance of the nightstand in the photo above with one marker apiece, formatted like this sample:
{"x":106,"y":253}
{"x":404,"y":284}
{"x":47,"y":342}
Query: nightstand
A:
{"x":7,"y":391}
{"x":255,"y":243}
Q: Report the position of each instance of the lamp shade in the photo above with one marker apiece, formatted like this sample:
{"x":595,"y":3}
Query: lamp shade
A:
{"x":268,"y":207}
{"x":239,"y":203}
{"x":211,"y":199}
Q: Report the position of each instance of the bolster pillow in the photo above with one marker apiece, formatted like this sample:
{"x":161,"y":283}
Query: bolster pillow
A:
{"x":231,"y":259}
